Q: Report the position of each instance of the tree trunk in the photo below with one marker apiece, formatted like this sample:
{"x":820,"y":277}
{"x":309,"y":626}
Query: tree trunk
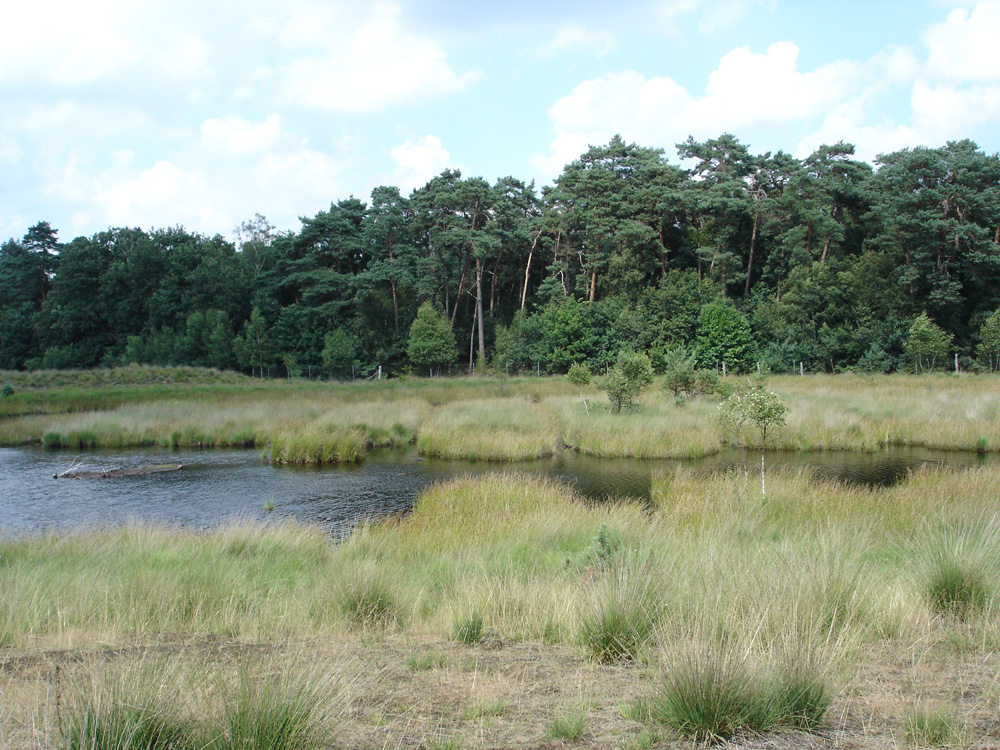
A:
{"x":461,"y":288}
{"x":527,"y":268}
{"x":753,"y":242}
{"x":479,"y":306}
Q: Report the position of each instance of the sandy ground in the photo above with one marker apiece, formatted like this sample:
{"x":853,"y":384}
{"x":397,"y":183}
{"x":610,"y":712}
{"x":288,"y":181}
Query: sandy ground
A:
{"x":402,"y":692}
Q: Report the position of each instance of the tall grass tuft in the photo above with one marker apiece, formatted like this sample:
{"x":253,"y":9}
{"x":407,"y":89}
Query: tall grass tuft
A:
{"x":958,"y":563}
{"x":955,"y":588}
{"x":708,"y":697}
{"x":370,"y":601}
{"x":712,"y":693}
{"x":131,"y":708}
{"x":621,"y":613}
{"x":469,"y":629}
{"x":567,"y":726}
{"x":270,"y":711}
{"x":932,"y":726}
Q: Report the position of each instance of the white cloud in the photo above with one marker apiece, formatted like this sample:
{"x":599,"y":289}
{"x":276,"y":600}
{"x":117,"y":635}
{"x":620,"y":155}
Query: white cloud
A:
{"x":747,"y":92}
{"x":376,"y":64}
{"x":236,"y":135}
{"x":417,"y":161}
{"x":963,"y":47}
{"x":185,"y":58}
{"x":959,"y":86}
{"x":946,"y":112}
{"x":65,"y":43}
{"x":570,"y":37}
{"x":711,"y":15}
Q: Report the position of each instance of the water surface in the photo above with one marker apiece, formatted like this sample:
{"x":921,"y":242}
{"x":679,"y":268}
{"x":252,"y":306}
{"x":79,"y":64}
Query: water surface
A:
{"x":219,"y":485}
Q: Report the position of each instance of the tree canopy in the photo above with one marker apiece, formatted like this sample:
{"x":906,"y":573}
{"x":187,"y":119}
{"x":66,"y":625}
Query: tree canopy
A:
{"x":825,"y":263}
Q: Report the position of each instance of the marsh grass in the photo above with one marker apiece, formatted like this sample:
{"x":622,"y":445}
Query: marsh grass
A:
{"x":270,"y":709}
{"x":489,"y":430}
{"x":133,"y":708}
{"x":956,"y":564}
{"x":477,"y":418}
{"x":469,"y":629}
{"x":148,"y":701}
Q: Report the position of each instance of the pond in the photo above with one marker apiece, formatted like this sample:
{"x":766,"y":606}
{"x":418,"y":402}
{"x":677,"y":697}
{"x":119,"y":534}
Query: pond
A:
{"x":219,"y":485}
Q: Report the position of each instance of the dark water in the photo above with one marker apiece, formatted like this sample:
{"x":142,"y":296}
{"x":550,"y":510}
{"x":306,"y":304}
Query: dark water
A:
{"x":215,"y":486}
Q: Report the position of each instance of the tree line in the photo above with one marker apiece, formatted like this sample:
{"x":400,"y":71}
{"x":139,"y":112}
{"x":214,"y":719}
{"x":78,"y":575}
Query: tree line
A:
{"x":825,"y":263}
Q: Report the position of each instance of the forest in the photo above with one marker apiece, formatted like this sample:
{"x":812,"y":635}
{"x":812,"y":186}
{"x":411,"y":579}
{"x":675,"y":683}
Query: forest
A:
{"x":821,"y":264}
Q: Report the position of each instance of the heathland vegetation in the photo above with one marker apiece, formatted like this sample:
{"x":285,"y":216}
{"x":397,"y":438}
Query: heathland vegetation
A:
{"x":505,"y":611}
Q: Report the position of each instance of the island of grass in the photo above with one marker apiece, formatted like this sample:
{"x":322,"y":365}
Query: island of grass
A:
{"x":481,"y":418}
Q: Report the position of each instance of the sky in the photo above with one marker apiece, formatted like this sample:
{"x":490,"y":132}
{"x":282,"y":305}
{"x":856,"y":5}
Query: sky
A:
{"x":158,"y":113}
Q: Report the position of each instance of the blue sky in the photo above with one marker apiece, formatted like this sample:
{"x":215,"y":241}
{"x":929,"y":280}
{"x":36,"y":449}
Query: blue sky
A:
{"x":152,"y":113}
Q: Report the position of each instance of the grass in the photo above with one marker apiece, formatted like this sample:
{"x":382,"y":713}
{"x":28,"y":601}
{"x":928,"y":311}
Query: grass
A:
{"x":299,"y":421}
{"x":148,"y":702}
{"x":568,"y":725}
{"x":748,"y":613}
{"x":932,"y":726}
{"x":483,"y":709}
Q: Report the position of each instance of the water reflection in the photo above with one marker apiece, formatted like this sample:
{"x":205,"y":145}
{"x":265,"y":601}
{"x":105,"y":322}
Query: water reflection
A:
{"x":217,"y":485}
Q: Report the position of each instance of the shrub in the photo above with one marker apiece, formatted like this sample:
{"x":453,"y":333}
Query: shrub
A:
{"x":681,"y":371}
{"x":625,"y":381}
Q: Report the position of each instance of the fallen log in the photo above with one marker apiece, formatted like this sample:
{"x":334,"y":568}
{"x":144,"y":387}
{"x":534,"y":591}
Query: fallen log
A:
{"x":135,"y":471}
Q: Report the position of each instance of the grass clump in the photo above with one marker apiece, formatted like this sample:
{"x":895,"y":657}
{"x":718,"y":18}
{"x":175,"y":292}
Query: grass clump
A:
{"x":932,"y":726}
{"x":469,"y":629}
{"x":135,"y":707}
{"x":370,"y":602}
{"x":567,"y":726}
{"x":621,"y":615}
{"x":711,"y":694}
{"x":273,"y":711}
{"x":124,"y":725}
{"x":426,"y":661}
{"x":955,"y":587}
{"x":486,"y":709}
